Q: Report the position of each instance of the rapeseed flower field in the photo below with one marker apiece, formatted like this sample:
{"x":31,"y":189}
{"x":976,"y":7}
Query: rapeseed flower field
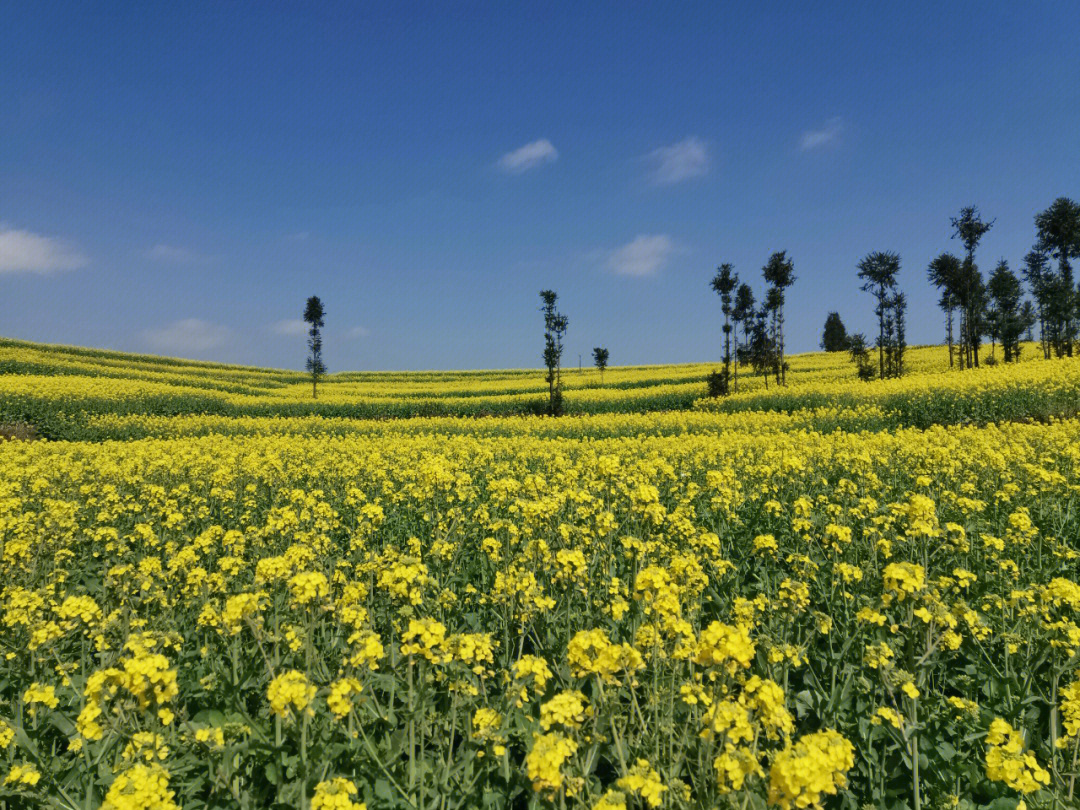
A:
{"x":217,"y":593}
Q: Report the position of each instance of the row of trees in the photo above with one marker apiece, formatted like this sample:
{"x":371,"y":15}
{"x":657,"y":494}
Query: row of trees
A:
{"x":975,"y":309}
{"x":762,"y":327}
{"x":996,"y":309}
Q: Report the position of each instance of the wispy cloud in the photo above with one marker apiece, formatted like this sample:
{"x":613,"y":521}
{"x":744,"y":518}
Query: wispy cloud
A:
{"x":25,"y":252}
{"x":172,"y":254}
{"x":187,"y":335}
{"x":826,"y":134}
{"x":358,"y":332}
{"x":645,"y":255}
{"x":528,"y":157}
{"x":290,"y":327}
{"x":298,"y":236}
{"x":681,"y":161}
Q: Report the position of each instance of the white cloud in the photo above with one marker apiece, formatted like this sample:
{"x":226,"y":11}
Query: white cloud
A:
{"x":188,"y":335}
{"x":680,"y":161}
{"x":291,"y":327}
{"x":358,"y":332}
{"x":173,"y":255}
{"x":25,"y":252}
{"x":298,"y":236}
{"x":815,"y":138}
{"x":528,"y":157}
{"x":642,"y":256}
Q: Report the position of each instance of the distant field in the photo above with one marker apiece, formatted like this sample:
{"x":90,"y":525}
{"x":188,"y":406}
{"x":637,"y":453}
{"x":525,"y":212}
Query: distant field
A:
{"x":836,"y":593}
{"x":76,"y":393}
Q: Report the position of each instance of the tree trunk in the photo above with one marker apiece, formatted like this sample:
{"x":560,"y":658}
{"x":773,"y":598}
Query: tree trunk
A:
{"x":972,"y":320}
{"x":727,"y":341}
{"x":727,"y":351}
{"x":775,"y":345}
{"x":967,"y":338}
{"x":783,"y":370}
{"x":735,"y":364}
{"x":881,"y":335}
{"x":961,"y":345}
{"x":948,"y":334}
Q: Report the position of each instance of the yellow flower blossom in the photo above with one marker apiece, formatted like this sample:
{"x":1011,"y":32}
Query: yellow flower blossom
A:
{"x":545,"y":761}
{"x":816,"y":765}
{"x":291,"y":692}
{"x":336,"y":794}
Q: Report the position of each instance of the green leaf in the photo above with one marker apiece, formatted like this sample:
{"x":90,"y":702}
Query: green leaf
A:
{"x":946,"y":750}
{"x":62,"y":724}
{"x":273,"y":773}
{"x":383,"y":790}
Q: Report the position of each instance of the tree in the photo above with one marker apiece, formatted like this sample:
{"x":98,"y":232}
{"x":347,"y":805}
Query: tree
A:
{"x":895,"y":334}
{"x":723,"y":284}
{"x":772,"y":307}
{"x":1029,"y":316}
{"x":716,"y":384}
{"x":969,"y":228}
{"x":944,"y":273}
{"x":555,"y":324}
{"x":1058,"y":229}
{"x":600,"y":358}
{"x":860,"y":356}
{"x":1040,"y":280}
{"x":743,"y":313}
{"x":878,"y":271}
{"x":760,"y":347}
{"x":834,"y":337}
{"x":313,"y":317}
{"x":779,"y":274}
{"x":1004,"y":317}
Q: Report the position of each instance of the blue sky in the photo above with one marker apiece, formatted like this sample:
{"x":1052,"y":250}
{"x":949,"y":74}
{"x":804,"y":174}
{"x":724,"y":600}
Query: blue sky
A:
{"x":178,"y":178}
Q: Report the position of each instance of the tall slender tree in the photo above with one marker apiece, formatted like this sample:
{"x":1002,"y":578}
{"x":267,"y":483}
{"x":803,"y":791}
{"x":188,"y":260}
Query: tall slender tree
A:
{"x":555,"y":325}
{"x":779,"y":274}
{"x":772,"y":306}
{"x":313,"y":317}
{"x":1038,"y":277}
{"x":723,"y":284}
{"x":760,"y":347}
{"x":878,"y":271}
{"x":944,"y":273}
{"x":1030,"y":317}
{"x":970,"y":228}
{"x":1004,"y":314}
{"x":895,"y":334}
{"x":1058,"y":230}
{"x":743,"y":313}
